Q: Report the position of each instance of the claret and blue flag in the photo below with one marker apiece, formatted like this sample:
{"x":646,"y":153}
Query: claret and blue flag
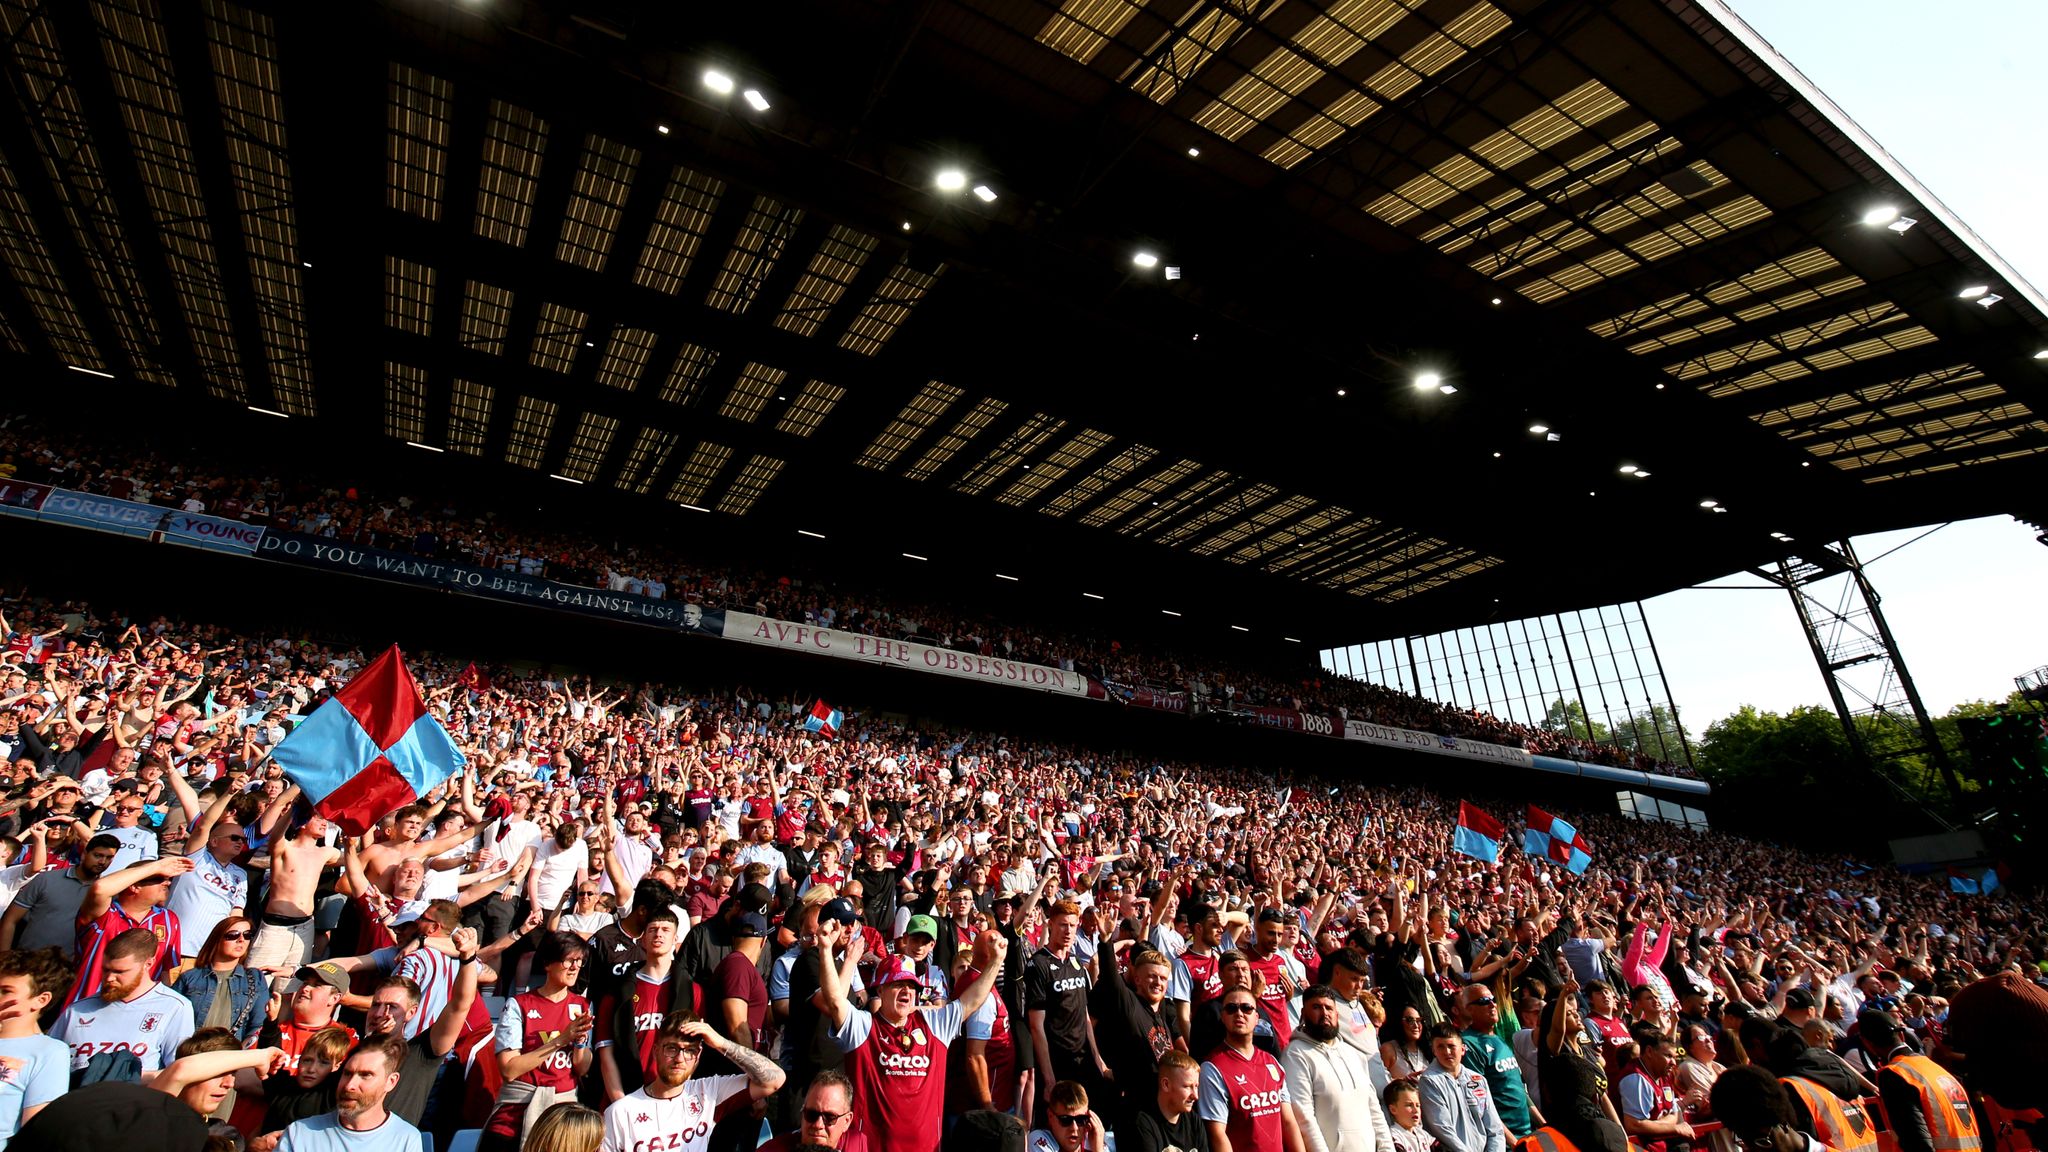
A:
{"x":369,"y":749}
{"x":825,"y":720}
{"x":1548,"y":838}
{"x":1478,"y":834}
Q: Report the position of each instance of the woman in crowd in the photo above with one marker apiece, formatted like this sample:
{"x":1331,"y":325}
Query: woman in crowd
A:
{"x":1575,"y":1099}
{"x":226,"y":992}
{"x":1402,"y":1051}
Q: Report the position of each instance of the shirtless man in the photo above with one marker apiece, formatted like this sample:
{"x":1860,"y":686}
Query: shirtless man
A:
{"x":407,"y":824}
{"x":284,"y":938}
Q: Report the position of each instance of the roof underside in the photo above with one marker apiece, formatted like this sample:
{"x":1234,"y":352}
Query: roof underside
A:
{"x":460,"y":224}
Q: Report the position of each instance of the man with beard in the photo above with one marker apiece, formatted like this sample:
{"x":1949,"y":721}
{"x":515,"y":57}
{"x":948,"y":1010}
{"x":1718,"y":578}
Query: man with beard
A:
{"x":1244,"y":1097}
{"x":361,"y":1122}
{"x":132,"y":1012}
{"x":394,"y":1009}
{"x":674,"y":1112}
{"x":1330,"y":1082}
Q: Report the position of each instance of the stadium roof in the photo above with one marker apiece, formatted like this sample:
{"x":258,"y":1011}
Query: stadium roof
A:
{"x":1165,"y":342}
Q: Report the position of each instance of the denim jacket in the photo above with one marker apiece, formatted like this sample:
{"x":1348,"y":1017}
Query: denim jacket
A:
{"x":248,"y":994}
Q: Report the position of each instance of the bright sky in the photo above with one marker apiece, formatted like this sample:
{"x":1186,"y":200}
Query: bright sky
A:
{"x":1956,"y":98}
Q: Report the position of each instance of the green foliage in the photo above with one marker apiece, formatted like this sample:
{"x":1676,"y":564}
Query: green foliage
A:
{"x":1653,"y":732}
{"x":1568,"y":717}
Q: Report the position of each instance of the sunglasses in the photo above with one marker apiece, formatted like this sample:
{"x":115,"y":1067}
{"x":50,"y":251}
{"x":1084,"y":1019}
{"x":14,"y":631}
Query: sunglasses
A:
{"x":1240,"y":1008}
{"x":1480,"y":1001}
{"x":820,"y":1116}
{"x":1074,"y":1121}
{"x":236,"y":935}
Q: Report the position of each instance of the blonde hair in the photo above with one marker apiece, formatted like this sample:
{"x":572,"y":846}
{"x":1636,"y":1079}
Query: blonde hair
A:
{"x":566,"y":1127}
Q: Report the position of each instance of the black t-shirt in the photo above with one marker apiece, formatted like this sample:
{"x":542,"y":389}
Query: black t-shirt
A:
{"x":1129,"y":1034}
{"x":612,"y":953}
{"x":878,"y":896}
{"x":1059,"y":988}
{"x":1148,"y":1131}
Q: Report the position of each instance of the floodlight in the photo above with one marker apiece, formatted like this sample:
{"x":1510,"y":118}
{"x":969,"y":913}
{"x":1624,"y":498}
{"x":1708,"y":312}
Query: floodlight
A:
{"x":1447,"y":389}
{"x":2042,"y":354}
{"x":1628,"y":469}
{"x":1428,"y":380}
{"x":1882,"y":214}
{"x":1193,"y":153}
{"x":755,"y":100}
{"x":1710,"y":503}
{"x":718,"y":81}
{"x":1988,"y":301}
{"x":661,"y":128}
{"x":1902,"y":225}
{"x":1145,"y":260}
{"x":1974,"y":291}
{"x":1173,"y":272}
{"x":1552,"y":437}
{"x":985,"y":194}
{"x":1539,"y":429}
{"x":950,"y":180}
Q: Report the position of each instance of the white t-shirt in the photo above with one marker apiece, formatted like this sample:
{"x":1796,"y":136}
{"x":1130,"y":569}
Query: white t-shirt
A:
{"x":152,"y":1026}
{"x":12,"y":878}
{"x":137,"y":844}
{"x":204,"y":896}
{"x":638,"y":1122}
{"x":555,"y":868}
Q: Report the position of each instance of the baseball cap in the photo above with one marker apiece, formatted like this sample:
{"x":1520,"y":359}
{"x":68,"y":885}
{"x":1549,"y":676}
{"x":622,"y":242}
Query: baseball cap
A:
{"x":1799,"y":998}
{"x":756,"y":898}
{"x":750,"y":925}
{"x":923,"y":924}
{"x":328,"y":974}
{"x":893,"y":971}
{"x":840,"y":909}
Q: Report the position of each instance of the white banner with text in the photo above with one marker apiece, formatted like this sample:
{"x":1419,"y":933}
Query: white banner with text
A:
{"x":888,"y":653}
{"x":1430,"y":742}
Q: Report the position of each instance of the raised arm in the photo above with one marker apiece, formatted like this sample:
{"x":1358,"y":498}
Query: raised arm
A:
{"x":448,"y":1026}
{"x":831,"y":982}
{"x":100,"y":895}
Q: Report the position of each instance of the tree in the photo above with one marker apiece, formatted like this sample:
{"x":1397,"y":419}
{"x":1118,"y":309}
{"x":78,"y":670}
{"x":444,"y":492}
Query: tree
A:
{"x":1803,"y":747}
{"x":1569,"y":718}
{"x":1653,"y":732}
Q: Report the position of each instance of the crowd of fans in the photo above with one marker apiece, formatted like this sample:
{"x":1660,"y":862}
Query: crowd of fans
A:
{"x":649,"y":917}
{"x":444,"y":529}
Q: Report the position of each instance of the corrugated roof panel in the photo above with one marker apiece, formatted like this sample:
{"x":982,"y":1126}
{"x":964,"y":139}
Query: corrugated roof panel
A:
{"x":405,"y":402}
{"x":1010,"y":453}
{"x":754,"y":478}
{"x":469,"y":416}
{"x":416,"y":140}
{"x":685,"y":383}
{"x":1141,"y":493}
{"x":625,"y":357}
{"x":408,"y":296}
{"x":533,"y":420}
{"x":971,"y":424}
{"x":760,"y":242}
{"x":591,"y":221}
{"x":486,"y":314}
{"x":1056,"y":464}
{"x":649,"y":455}
{"x":839,"y":259}
{"x":1081,"y":28}
{"x":751,"y":391}
{"x":909,"y":425}
{"x":557,"y":337}
{"x":1097,"y":482}
{"x":890,"y":306}
{"x":48,"y":298}
{"x":678,"y":228}
{"x":587,"y":446}
{"x":515,"y":141}
{"x":809,"y":409}
{"x":694,"y":479}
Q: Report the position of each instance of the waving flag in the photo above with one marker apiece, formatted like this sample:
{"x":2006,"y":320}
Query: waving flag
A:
{"x":824,"y":720}
{"x":1478,"y":834}
{"x":1975,"y":882}
{"x":371,"y":748}
{"x":1548,"y":838}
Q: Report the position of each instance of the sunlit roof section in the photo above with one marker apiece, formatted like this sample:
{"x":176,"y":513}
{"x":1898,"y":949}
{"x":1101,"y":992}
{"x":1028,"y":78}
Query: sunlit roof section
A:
{"x":971,"y":424}
{"x":533,"y":420}
{"x":405,"y":402}
{"x":44,"y":86}
{"x":685,"y":383}
{"x":648,"y":456}
{"x":145,"y":87}
{"x":1585,"y":105}
{"x":839,"y":259}
{"x":469,"y":416}
{"x":1180,"y":503}
{"x":1143,"y":492}
{"x":408,"y":296}
{"x":1775,"y":287}
{"x":1929,"y":421}
{"x":1430,"y":56}
{"x":41,"y":284}
{"x":514,"y":142}
{"x":1078,"y":494}
{"x":1891,"y":331}
{"x":591,"y":221}
{"x":1081,"y":28}
{"x":761,"y":239}
{"x":486,"y":314}
{"x":625,"y":357}
{"x":1312,"y":553}
{"x":1191,"y":47}
{"x":242,"y":45}
{"x":1243,"y":499}
{"x":1057,"y":463}
{"x":1009,"y":453}
{"x":694,"y":479}
{"x":1280,"y":541}
{"x":1324,"y":43}
{"x":678,"y":229}
{"x":751,"y":391}
{"x":1276,"y":513}
{"x":557,"y":337}
{"x":416,"y":140}
{"x":809,"y":409}
{"x":9,"y":338}
{"x":588,"y":445}
{"x":747,"y":487}
{"x":890,"y":306}
{"x":1791,"y":340}
{"x":909,"y":425}
{"x":1435,"y":572}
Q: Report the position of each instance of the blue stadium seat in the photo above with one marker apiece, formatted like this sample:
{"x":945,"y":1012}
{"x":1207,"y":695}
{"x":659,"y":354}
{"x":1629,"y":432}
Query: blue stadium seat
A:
{"x":463,"y":1141}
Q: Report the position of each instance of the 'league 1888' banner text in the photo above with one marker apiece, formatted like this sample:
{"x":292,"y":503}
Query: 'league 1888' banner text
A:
{"x":790,"y":637}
